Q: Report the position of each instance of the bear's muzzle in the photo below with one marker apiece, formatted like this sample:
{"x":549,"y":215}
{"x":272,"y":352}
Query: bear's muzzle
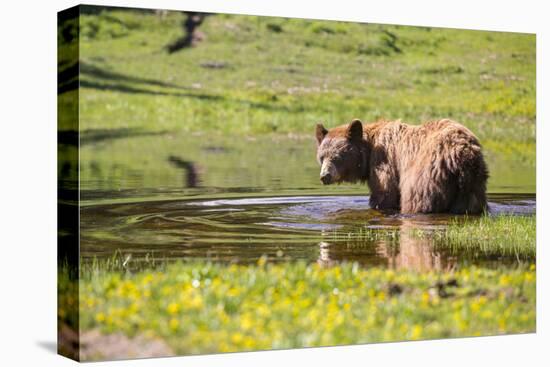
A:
{"x":326,"y":179}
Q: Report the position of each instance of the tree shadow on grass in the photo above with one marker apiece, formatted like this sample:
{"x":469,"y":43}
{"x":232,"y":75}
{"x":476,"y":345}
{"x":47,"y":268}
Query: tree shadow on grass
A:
{"x":87,"y":69}
{"x":135,"y":90}
{"x":94,"y":136}
{"x":101,"y":79}
{"x":67,"y":76}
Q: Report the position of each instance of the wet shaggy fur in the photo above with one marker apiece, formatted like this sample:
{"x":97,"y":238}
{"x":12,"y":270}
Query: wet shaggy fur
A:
{"x":431,"y":168}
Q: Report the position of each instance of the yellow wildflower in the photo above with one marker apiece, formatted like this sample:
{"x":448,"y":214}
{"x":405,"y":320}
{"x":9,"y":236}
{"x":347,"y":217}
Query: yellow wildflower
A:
{"x":237,"y":338}
{"x":246,"y":322}
{"x":100,"y":317}
{"x":504,"y":280}
{"x":416,"y":332}
{"x":174,"y":324}
{"x":173,"y":308}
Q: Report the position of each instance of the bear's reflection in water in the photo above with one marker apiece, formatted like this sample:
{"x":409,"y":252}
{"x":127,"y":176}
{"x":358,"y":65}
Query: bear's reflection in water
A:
{"x":401,"y":249}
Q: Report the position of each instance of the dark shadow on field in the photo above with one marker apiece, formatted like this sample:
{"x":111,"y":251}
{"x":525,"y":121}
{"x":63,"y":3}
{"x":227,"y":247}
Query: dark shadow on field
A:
{"x":127,"y":89}
{"x":87,"y":69}
{"x":103,"y":9}
{"x":101,"y":79}
{"x":67,"y":76}
{"x":70,"y":137}
{"x":191,"y":36}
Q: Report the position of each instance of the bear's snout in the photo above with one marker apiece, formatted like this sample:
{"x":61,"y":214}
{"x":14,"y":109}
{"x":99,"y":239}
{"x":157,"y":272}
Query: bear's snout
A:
{"x":328,"y":174}
{"x":326,"y":179}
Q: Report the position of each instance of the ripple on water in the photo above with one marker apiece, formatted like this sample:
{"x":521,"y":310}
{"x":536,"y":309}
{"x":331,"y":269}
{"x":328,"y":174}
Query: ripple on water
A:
{"x":281,"y":228}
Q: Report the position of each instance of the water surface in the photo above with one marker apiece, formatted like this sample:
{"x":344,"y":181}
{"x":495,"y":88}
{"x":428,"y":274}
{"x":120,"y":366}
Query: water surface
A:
{"x":232,"y":200}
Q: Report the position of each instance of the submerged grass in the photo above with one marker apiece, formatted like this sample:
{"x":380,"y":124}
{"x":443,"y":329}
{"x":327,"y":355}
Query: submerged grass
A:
{"x":203,"y":308}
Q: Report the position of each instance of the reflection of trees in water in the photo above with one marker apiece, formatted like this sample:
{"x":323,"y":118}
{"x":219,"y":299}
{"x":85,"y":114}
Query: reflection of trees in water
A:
{"x":405,"y":251}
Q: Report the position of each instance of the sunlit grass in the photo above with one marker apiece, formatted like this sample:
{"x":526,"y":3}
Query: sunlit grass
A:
{"x":132,"y":90}
{"x":330,"y":72}
{"x":502,"y":235}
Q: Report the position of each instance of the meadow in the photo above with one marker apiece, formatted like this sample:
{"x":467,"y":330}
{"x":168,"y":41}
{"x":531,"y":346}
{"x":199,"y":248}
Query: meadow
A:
{"x":240,"y":108}
{"x":258,"y":75}
{"x":201,"y":308}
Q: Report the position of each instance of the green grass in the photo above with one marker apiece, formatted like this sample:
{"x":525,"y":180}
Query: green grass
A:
{"x":202,"y":308}
{"x":283,"y":75}
{"x":501,"y":236}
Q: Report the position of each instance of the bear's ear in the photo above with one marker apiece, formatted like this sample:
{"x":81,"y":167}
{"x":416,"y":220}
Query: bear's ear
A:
{"x":320,"y":133}
{"x":355,"y":130}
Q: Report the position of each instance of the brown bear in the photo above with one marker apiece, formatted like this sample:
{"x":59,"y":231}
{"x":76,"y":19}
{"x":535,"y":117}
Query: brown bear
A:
{"x":431,"y":168}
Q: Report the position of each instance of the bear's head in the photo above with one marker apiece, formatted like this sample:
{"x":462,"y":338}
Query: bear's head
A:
{"x":342,"y":153}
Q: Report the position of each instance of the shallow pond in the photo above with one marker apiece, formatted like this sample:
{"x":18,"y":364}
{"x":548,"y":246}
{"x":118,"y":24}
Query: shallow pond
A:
{"x":166,"y":196}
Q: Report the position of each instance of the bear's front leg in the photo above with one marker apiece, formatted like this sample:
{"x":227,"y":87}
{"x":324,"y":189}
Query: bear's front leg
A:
{"x":384,"y":188}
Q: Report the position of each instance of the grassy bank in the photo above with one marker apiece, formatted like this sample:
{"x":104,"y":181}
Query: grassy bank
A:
{"x":200,"y":308}
{"x":256,"y":75}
